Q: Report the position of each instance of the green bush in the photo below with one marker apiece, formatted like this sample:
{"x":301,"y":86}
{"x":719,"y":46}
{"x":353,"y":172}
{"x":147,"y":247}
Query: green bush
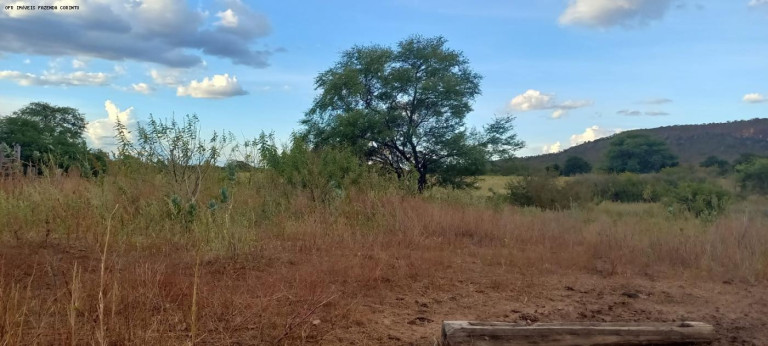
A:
{"x":703,"y":200}
{"x":547,"y":192}
{"x":753,"y":175}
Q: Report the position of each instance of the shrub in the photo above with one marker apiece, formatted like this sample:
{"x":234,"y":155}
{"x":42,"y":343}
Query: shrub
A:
{"x":703,"y":200}
{"x":753,"y":175}
{"x":547,"y":192}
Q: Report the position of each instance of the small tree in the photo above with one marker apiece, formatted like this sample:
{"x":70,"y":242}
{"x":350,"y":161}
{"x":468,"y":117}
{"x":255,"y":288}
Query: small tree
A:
{"x":753,"y":175}
{"x":576,"y":165}
{"x":178,"y":149}
{"x":404,"y":109}
{"x":638,"y":153}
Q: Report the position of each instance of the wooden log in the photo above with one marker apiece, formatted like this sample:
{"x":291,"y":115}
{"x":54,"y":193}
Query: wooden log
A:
{"x":456,"y":333}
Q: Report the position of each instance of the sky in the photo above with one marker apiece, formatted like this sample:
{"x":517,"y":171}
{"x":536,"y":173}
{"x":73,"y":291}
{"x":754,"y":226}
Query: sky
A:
{"x":569,"y":70}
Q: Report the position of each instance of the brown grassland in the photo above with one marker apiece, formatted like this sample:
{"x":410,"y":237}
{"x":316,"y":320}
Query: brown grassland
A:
{"x":108,"y":261}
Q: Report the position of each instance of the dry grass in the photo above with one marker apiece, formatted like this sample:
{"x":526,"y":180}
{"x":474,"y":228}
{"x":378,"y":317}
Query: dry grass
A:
{"x":273,"y":267}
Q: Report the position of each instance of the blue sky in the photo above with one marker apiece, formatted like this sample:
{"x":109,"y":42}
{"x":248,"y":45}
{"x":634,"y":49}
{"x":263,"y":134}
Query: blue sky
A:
{"x":570,"y":70}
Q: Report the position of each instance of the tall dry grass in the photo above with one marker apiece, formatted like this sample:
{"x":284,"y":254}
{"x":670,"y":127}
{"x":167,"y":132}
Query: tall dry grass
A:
{"x":107,"y":261}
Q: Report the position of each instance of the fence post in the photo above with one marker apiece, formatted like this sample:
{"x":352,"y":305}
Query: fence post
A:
{"x":17,"y":152}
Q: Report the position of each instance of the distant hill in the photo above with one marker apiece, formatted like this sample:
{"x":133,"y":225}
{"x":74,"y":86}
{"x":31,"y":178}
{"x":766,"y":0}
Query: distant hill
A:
{"x":691,"y":143}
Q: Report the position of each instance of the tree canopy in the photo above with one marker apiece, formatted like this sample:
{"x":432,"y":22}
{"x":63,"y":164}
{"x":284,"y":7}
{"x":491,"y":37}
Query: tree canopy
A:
{"x":638,"y":153}
{"x":576,"y":165}
{"x":44,"y":130}
{"x":405,"y":109}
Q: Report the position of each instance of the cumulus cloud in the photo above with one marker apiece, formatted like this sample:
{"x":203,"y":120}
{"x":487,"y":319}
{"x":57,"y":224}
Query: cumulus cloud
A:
{"x":536,"y":100}
{"x":216,"y":87}
{"x":228,"y":18}
{"x":531,"y":100}
{"x":101,"y":132}
{"x":168,"y":77}
{"x":48,"y":78}
{"x":748,"y":98}
{"x":79,"y":64}
{"x":167,"y":32}
{"x":591,"y":134}
{"x":142,"y":88}
{"x":610,"y":13}
{"x":551,"y":148}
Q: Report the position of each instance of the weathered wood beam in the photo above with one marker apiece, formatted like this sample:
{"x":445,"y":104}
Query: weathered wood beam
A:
{"x":456,"y":333}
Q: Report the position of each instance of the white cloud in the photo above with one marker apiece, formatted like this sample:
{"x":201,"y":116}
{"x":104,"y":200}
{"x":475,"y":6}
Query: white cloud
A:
{"x":656,"y":113}
{"x":218,"y":86}
{"x":656,"y":101}
{"x":552,"y":148}
{"x":531,"y":100}
{"x":27,"y":61}
{"x":609,"y":13}
{"x":79,"y":64}
{"x":168,"y":32}
{"x":79,"y":78}
{"x":228,"y":18}
{"x":169,"y":77}
{"x":101,"y":132}
{"x":536,"y":100}
{"x":757,"y":2}
{"x":754,"y":98}
{"x":629,"y":112}
{"x":591,"y":134}
{"x":142,"y":88}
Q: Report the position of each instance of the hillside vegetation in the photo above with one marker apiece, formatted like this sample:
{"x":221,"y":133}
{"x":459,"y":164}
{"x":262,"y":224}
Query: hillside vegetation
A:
{"x":691,"y":143}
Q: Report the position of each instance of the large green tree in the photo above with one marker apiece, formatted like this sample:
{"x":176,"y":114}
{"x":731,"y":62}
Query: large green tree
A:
{"x":576,"y":165}
{"x":405,"y":108}
{"x":638,"y":153}
{"x":44,"y":130}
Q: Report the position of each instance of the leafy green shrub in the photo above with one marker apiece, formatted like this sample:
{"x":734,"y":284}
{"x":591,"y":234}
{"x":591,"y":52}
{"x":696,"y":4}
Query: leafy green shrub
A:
{"x":703,"y":200}
{"x":547,"y":192}
{"x":325,"y":173}
{"x":753,"y":175}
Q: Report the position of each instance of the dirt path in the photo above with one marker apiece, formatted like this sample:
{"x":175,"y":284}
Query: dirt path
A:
{"x":738,"y":312}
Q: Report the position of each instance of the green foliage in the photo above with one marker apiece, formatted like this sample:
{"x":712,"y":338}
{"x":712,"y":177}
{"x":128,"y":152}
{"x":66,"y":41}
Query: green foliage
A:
{"x":177,"y":149}
{"x":745,"y":158}
{"x":404,"y":109}
{"x":676,"y":189}
{"x":576,"y":165}
{"x":638,"y":153}
{"x":714,"y":161}
{"x":547,"y":192}
{"x":721,"y":165}
{"x":97,"y":163}
{"x":47,"y":134}
{"x":753,"y":175}
{"x":325,"y":173}
{"x":553,"y":169}
{"x":703,"y":200}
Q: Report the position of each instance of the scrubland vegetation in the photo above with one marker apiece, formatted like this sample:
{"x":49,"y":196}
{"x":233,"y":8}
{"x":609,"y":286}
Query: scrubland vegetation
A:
{"x":354,"y":233}
{"x":291,"y":252}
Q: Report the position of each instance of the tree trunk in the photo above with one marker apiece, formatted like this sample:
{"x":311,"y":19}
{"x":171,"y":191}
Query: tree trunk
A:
{"x":422,"y":181}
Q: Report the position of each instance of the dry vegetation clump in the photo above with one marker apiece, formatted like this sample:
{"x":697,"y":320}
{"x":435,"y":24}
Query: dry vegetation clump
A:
{"x":276,"y":264}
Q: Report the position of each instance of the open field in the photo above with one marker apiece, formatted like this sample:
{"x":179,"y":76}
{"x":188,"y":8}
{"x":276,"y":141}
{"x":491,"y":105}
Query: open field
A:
{"x":108,"y":261}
